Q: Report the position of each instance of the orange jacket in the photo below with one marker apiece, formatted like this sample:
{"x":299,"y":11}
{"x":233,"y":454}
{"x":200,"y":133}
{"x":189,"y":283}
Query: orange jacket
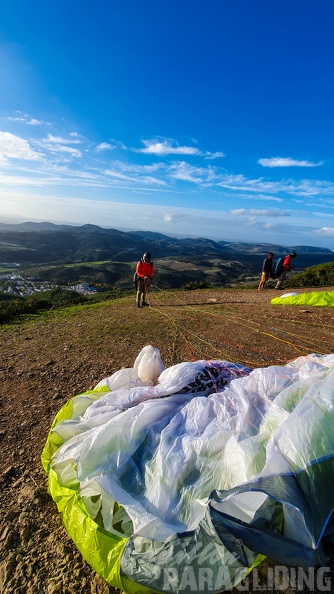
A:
{"x":144,"y":269}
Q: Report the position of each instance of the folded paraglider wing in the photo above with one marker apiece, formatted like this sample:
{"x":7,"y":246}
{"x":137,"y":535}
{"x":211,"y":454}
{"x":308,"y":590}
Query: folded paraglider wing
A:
{"x":314,"y":298}
{"x":197,"y":470}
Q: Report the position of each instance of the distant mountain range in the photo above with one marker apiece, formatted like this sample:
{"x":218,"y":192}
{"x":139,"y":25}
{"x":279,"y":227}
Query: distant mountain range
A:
{"x":66,"y":255}
{"x":47,"y":242}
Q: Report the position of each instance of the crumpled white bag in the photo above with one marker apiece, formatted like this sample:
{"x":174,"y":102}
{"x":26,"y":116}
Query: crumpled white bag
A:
{"x":145,"y":372}
{"x":149,"y":365}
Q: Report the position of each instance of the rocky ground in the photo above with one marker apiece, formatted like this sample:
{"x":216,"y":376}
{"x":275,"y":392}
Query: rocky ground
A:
{"x":47,"y":359}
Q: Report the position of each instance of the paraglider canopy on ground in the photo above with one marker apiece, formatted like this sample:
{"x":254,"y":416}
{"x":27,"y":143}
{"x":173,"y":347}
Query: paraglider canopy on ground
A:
{"x":320,"y":298}
{"x":159,"y":473}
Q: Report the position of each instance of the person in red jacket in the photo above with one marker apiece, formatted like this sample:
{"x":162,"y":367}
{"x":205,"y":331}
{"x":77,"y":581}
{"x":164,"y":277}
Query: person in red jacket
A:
{"x":144,"y":273}
{"x":286,"y":268}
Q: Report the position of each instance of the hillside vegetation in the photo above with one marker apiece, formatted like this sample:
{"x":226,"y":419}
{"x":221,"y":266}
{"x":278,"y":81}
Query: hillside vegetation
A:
{"x":314,"y":276}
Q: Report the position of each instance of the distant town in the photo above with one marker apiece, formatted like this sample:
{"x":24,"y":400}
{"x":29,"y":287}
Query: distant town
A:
{"x":15,"y":284}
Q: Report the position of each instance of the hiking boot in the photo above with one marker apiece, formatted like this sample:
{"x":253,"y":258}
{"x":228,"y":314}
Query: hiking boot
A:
{"x":137,"y":305}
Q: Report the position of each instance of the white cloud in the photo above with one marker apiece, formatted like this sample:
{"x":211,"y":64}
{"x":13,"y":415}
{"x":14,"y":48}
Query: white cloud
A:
{"x":167,"y":147}
{"x":16,"y":119}
{"x":321,"y":214}
{"x":287,"y":162}
{"x":216,"y":155}
{"x":261,"y":197}
{"x":145,"y":179}
{"x":59,"y":140}
{"x":326,"y":231}
{"x":198,"y":175}
{"x":138,"y":168}
{"x":34,"y":122}
{"x":295,"y":188}
{"x":103,"y":146}
{"x":58,"y":145}
{"x":168,"y":217}
{"x":171,"y":147}
{"x":118,"y":144}
{"x":14,"y":147}
{"x":270,"y":212}
{"x":60,"y":148}
{"x":26,"y":119}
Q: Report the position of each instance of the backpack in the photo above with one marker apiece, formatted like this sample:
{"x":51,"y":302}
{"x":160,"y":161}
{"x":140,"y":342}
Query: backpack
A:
{"x":136,"y":277}
{"x":277,"y":268}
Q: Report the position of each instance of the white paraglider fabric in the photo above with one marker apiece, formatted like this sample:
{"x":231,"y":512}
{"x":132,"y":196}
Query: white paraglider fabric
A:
{"x":159,"y":441}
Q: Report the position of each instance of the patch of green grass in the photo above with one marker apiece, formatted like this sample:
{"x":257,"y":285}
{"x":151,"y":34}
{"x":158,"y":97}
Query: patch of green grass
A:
{"x":8,"y":269}
{"x":86,"y":264}
{"x":15,"y":247}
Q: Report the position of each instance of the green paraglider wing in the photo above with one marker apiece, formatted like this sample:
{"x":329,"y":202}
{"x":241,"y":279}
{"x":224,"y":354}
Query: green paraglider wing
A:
{"x":320,"y":298}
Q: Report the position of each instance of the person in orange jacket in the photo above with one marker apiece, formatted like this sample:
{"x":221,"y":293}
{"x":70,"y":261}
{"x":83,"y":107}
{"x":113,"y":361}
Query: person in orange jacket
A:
{"x":144,"y":273}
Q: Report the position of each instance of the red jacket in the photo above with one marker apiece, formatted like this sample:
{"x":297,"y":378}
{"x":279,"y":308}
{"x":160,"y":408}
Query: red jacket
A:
{"x":145,"y":269}
{"x":287,"y":262}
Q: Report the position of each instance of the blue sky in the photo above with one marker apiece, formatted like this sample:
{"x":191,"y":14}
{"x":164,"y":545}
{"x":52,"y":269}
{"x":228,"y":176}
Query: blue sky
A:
{"x":210,"y":119}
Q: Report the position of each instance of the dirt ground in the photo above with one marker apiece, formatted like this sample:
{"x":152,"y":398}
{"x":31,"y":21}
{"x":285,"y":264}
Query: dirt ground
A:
{"x":47,"y":359}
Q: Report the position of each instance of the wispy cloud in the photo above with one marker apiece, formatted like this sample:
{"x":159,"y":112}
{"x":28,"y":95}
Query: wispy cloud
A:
{"x":269,"y":212}
{"x":291,"y":187}
{"x":57,"y":145}
{"x":24,"y":118}
{"x":182,"y":170}
{"x":59,"y":140}
{"x":138,"y":179}
{"x":163,"y":147}
{"x":321,"y":214}
{"x":132,"y":167}
{"x":325,"y":231}
{"x":14,"y":147}
{"x":33,"y":122}
{"x":261,"y":197}
{"x":60,"y":148}
{"x":287,"y":162}
{"x":16,"y":119}
{"x":210,"y":156}
{"x":316,"y":201}
{"x":104,"y":146}
{"x":167,"y":147}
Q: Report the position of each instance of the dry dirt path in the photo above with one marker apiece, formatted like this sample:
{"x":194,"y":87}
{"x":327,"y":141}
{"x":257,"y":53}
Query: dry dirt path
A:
{"x":46,"y":360}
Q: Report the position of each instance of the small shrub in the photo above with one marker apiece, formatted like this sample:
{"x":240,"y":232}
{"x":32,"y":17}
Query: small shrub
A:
{"x":193,"y":286}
